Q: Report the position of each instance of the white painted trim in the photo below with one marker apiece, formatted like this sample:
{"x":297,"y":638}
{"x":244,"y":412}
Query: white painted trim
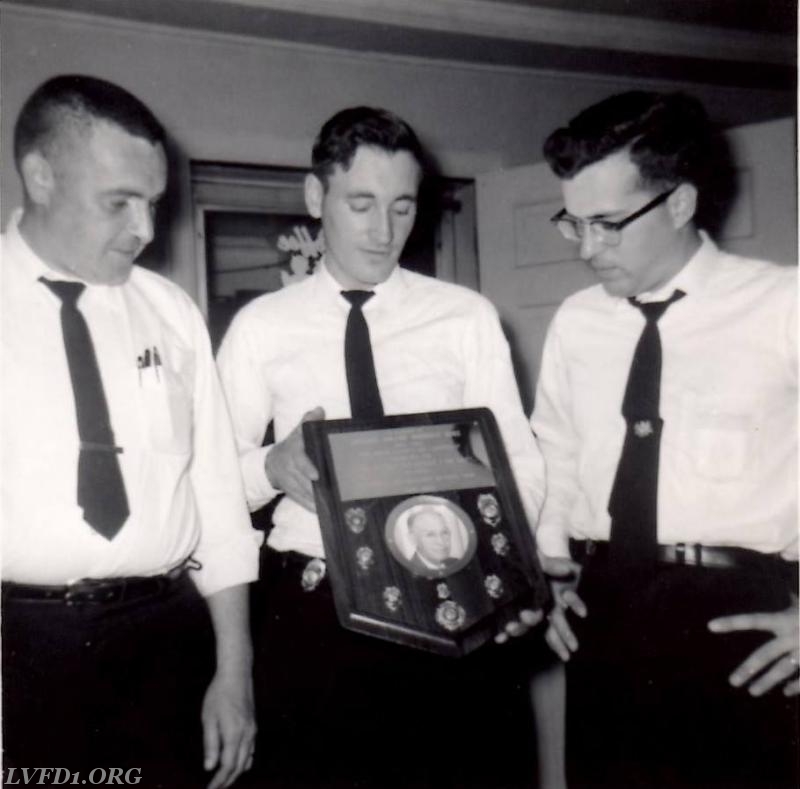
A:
{"x":61,"y":16}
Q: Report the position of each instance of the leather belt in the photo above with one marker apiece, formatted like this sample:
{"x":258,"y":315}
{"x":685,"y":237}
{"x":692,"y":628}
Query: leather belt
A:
{"x":690,"y":554}
{"x":100,"y":591}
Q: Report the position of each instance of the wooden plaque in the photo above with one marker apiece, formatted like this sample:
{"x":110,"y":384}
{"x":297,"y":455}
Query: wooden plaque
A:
{"x":426,"y":540}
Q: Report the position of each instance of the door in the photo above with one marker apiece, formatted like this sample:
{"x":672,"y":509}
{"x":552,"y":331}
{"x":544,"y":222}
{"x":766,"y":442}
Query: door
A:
{"x":527,"y":268}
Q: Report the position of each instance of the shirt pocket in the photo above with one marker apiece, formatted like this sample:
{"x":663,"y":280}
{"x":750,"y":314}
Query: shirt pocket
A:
{"x":720,"y":434}
{"x":168,"y":396}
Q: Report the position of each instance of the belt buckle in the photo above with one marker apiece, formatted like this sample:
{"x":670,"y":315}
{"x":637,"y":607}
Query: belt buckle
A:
{"x":88,"y":591}
{"x":690,"y":554}
{"x":312,"y":575}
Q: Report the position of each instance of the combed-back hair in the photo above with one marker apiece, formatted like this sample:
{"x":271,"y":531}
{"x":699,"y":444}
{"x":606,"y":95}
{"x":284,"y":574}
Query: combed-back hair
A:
{"x":75,"y":101}
{"x":342,"y":135}
{"x":668,"y":136}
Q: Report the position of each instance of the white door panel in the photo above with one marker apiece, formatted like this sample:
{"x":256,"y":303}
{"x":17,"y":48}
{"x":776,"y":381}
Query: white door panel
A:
{"x":527,"y":269}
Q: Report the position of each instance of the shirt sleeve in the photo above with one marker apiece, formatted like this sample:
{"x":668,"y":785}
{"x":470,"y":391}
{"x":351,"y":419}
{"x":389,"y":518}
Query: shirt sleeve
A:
{"x":789,"y":342}
{"x":552,"y":424}
{"x":250,"y":404}
{"x":228,"y":546}
{"x":490,"y":382}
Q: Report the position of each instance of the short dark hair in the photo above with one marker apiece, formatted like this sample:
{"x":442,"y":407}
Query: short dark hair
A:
{"x":668,"y":136}
{"x":78,"y":101}
{"x":342,"y":135}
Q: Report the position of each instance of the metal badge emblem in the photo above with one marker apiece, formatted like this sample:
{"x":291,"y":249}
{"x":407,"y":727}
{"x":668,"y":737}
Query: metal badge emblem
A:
{"x":313,"y":573}
{"x":489,"y":509}
{"x":643,"y":429}
{"x":365,"y":557}
{"x":443,"y":591}
{"x":450,"y":615}
{"x":392,"y":598}
{"x":500,"y":544}
{"x":356,"y":519}
{"x":494,"y":586}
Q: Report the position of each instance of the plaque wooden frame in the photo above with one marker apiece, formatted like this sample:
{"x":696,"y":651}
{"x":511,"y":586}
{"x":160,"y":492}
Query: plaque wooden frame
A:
{"x":382,"y":483}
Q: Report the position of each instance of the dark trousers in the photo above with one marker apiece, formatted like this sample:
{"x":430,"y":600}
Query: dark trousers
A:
{"x":108,"y":685}
{"x":648,"y":699}
{"x":340,"y":709}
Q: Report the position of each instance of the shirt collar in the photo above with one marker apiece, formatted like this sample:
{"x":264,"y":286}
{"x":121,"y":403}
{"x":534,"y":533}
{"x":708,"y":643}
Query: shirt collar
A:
{"x":386,"y":293}
{"x":693,"y":277}
{"x":27,"y":263}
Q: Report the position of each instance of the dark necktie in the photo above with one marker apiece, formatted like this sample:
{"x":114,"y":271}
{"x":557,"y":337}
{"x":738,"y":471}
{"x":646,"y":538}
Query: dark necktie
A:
{"x":101,"y":490}
{"x":362,"y":384}
{"x":634,"y":495}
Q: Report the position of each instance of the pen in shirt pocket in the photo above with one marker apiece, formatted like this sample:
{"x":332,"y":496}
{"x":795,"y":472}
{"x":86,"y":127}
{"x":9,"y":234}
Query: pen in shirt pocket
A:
{"x":150,"y":358}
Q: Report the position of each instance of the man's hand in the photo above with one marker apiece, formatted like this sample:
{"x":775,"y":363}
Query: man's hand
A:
{"x":229,"y":728}
{"x":526,"y":618}
{"x":781,"y":653}
{"x":290,"y":469}
{"x":564,"y":575}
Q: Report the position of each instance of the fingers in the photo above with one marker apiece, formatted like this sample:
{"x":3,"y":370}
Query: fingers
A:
{"x":530,"y":617}
{"x":211,"y":745}
{"x":775,"y":662}
{"x":568,"y":598}
{"x":560,"y":567}
{"x":792,"y":688}
{"x":292,"y":473}
{"x":758,"y":661}
{"x":559,"y":635}
{"x":780,"y":671}
{"x":236,"y":757}
{"x":515,"y":629}
{"x":289,"y":468}
{"x":526,"y":619}
{"x":730,"y":624}
{"x":556,"y":643}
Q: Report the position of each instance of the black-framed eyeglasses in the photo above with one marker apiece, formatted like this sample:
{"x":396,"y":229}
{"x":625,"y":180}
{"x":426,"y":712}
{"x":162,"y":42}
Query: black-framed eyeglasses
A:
{"x":602,"y":230}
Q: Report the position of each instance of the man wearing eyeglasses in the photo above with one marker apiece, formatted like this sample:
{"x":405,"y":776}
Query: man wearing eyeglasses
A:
{"x":666,"y":411}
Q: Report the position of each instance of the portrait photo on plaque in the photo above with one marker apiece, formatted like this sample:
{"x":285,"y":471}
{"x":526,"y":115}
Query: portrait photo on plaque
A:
{"x":426,"y":540}
{"x":430,"y":536}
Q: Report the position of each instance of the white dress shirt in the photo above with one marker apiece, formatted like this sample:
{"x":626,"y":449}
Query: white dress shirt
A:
{"x":436,"y":346}
{"x":178,"y":461}
{"x":728,"y":461}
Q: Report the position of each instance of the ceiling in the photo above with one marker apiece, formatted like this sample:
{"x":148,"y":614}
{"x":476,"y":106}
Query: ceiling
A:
{"x":774,"y":16}
{"x":746,"y":43}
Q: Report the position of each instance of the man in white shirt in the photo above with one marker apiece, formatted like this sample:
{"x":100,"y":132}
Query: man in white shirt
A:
{"x":127,"y":547}
{"x":682,"y":644}
{"x":436,"y":346}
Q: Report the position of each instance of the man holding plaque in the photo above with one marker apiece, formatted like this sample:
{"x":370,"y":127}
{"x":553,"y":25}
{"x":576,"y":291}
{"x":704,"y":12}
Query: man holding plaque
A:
{"x":667,"y":413}
{"x":360,"y":337}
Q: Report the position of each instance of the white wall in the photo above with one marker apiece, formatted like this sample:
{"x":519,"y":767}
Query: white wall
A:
{"x":254,"y":101}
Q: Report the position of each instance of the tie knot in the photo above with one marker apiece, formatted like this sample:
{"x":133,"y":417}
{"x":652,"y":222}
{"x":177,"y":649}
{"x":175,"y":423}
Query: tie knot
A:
{"x":653,"y":310}
{"x":68,"y":292}
{"x":358,"y":298}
